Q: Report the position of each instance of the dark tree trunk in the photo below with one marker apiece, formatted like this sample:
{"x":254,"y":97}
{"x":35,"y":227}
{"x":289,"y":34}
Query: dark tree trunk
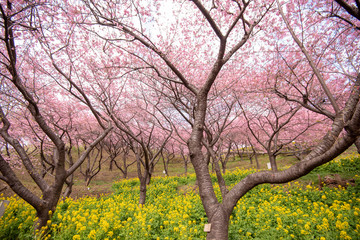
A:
{"x":111,"y":164}
{"x":43,"y":217}
{"x":250,"y":158}
{"x":70,"y":180}
{"x":43,"y":214}
{"x":125,"y":173}
{"x":207,"y":158}
{"x":357,"y":144}
{"x":70,"y":183}
{"x":143,"y":188}
{"x":223,"y":164}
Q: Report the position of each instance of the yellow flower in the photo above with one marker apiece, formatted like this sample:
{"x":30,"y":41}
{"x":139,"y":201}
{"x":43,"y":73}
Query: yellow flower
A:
{"x":76,"y":237}
{"x":343,"y":235}
{"x":92,"y":234}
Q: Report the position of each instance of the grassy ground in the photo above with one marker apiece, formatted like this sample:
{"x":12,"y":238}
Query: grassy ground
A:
{"x":102,"y":183}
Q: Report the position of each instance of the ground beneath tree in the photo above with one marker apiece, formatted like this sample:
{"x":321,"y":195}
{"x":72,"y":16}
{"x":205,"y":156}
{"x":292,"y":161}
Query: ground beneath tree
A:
{"x":335,"y":181}
{"x":102,"y":183}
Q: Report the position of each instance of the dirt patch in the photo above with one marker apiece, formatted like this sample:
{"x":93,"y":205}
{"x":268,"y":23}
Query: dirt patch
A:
{"x":334,"y":181}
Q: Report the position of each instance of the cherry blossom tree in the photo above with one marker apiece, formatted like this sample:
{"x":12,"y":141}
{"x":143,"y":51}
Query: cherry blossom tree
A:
{"x":115,"y":146}
{"x":224,"y":156}
{"x":168,"y":154}
{"x":274,"y":124}
{"x":95,"y":159}
{"x":18,"y":20}
{"x":179,"y":138}
{"x":226,"y":27}
{"x":313,"y":82}
{"x":164,"y":66}
{"x":147,"y":147}
{"x":146,"y":132}
{"x":242,"y":25}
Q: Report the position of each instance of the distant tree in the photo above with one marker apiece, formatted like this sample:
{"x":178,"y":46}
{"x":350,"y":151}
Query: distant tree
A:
{"x":115,"y":146}
{"x":168,"y":154}
{"x":225,"y":154}
{"x":185,"y":158}
{"x":94,"y":160}
{"x":147,"y":134}
{"x":274,"y":124}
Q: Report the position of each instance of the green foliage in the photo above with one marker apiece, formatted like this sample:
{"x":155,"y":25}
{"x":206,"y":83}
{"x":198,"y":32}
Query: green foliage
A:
{"x":236,"y":175}
{"x":342,"y":165}
{"x":174,"y":211}
{"x":17,"y":221}
{"x":292,"y":212}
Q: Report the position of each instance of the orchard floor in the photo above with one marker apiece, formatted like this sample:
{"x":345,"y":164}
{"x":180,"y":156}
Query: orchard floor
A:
{"x":102,"y":183}
{"x":295,"y":210}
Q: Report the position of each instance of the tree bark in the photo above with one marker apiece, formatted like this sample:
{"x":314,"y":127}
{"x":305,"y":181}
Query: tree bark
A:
{"x":273,"y":163}
{"x":257,"y":161}
{"x":143,"y":188}
{"x":219,"y":224}
{"x":357,"y":144}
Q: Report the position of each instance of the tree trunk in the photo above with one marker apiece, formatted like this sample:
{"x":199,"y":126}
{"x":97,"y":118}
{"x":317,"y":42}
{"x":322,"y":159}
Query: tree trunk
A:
{"x":43,"y":217}
{"x":273,"y":164}
{"x":143,"y":186}
{"x":207,"y":158}
{"x":250,"y":156}
{"x":69,"y":182}
{"x":357,"y":144}
{"x":125,"y":173}
{"x":223,"y":164}
{"x":186,"y":167}
{"x":257,"y":161}
{"x":219,"y":225}
{"x":51,"y":198}
{"x":165,"y":163}
{"x":111,"y":165}
{"x":148,"y":179}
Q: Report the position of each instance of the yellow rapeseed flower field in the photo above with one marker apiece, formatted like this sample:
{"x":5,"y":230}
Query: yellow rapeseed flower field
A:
{"x":174,"y":211}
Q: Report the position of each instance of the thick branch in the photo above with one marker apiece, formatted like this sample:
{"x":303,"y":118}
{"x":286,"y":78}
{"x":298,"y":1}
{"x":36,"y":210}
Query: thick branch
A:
{"x":351,"y":9}
{"x":21,"y":152}
{"x":310,"y":60}
{"x":331,"y":146}
{"x":83,"y":156}
{"x":11,"y":179}
{"x":209,"y":19}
